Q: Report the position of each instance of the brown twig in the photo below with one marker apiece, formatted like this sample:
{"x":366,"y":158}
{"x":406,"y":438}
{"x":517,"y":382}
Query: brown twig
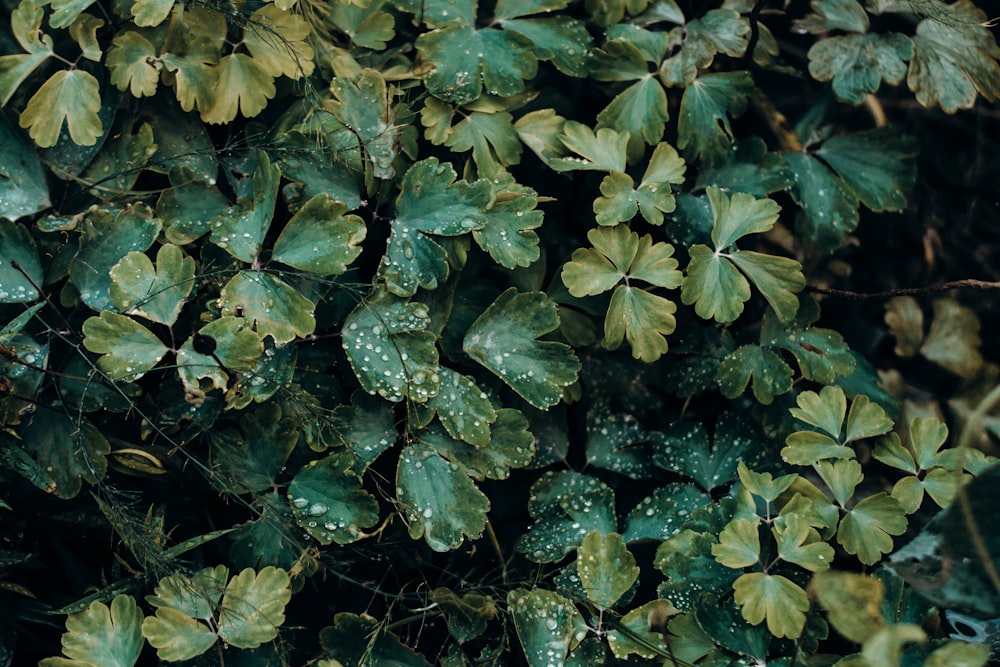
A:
{"x":968,"y":283}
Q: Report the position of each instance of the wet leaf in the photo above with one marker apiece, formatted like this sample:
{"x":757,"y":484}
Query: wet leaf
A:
{"x":157,"y":294}
{"x":660,"y":515}
{"x":240,"y":230}
{"x":273,"y":307}
{"x":857,"y":64}
{"x":566,"y":506}
{"x":128,"y":349}
{"x":607,"y":569}
{"x":327,"y":500}
{"x":110,"y":637}
{"x":703,"y":130}
{"x":23,"y":188}
{"x":320,"y":238}
{"x":617,"y":442}
{"x":546,"y":625}
{"x":16,"y":245}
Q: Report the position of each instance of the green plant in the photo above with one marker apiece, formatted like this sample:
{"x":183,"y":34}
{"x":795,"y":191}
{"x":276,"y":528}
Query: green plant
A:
{"x":283,"y":294}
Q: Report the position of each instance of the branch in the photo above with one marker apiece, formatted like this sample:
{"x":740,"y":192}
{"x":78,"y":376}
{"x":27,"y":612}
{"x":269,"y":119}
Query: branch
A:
{"x":969,"y":283}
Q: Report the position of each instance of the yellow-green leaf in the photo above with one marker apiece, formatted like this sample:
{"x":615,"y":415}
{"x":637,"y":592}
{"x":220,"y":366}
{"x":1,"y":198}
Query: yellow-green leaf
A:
{"x":70,"y":96}
{"x":774,"y":598}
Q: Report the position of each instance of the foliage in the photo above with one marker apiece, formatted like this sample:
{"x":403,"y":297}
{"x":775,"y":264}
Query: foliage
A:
{"x":374,"y":332}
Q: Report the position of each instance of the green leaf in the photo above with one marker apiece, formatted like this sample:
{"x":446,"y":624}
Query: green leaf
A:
{"x":504,"y":341}
{"x":367,"y":26}
{"x":320,"y":238}
{"x":128,"y":349}
{"x":905,"y":320}
{"x":278,"y":40}
{"x":719,"y":30}
{"x":867,"y":528}
{"x":828,"y":206}
{"x":278,"y":310}
{"x":566,"y":506}
{"x":17,"y":245}
{"x":799,"y":543}
{"x":464,"y":409}
{"x":508,"y":235}
{"x":500,"y":60}
{"x":317,"y":166}
{"x":490,"y":137}
{"x":659,"y":516}
{"x":602,"y":149}
{"x":369,"y":426}
{"x":846,"y":15}
{"x":621,"y":201}
{"x":703,"y":130}
{"x":762,"y":484}
{"x":124,"y":155}
{"x":327,"y":500}
{"x":640,"y":111}
{"x":157,"y":294}
{"x":822,"y":354}
{"x":774,"y":598}
{"x":131,"y":60}
{"x":390,"y":349}
{"x":714,"y":285}
{"x":643,"y":318}
{"x":254,"y":606}
{"x":186,"y":210}
{"x":824,"y":410}
{"x":778,"y":279}
{"x":70,"y":96}
{"x":102,"y":636}
{"x":616,"y":442}
{"x":739,"y":544}
{"x":511,"y":446}
{"x":684,"y":448}
{"x":607,"y":569}
{"x":25,"y":25}
{"x":430,"y":202}
{"x":770,"y":374}
{"x":647,"y":622}
{"x":438,"y":502}
{"x":363,"y":108}
{"x":620,"y":254}
{"x":242,"y":85}
{"x":358,"y":640}
{"x":866,"y":420}
{"x":236,"y":346}
{"x":853,"y":601}
{"x":562,"y":39}
{"x":857,"y":64}
{"x":545,"y":622}
{"x":23,"y":187}
{"x":890,"y":451}
{"x":174,"y":631}
{"x":251,"y":462}
{"x":878,"y":165}
{"x":150,"y":13}
{"x":954,"y":57}
{"x":240,"y":230}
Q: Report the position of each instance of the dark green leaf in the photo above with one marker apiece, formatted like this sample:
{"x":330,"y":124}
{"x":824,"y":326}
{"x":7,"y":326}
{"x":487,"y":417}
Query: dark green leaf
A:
{"x":328,"y":501}
{"x":703,"y":130}
{"x":565,"y":506}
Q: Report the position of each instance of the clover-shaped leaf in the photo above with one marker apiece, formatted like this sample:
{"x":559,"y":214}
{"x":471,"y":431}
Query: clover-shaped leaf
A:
{"x":128,"y":349}
{"x":739,"y":544}
{"x":715,"y":285}
{"x":328,"y":501}
{"x":430,"y":202}
{"x":600,"y":150}
{"x":774,"y":598}
{"x":684,"y":448}
{"x":390,"y":349}
{"x":622,"y":200}
{"x":439,"y":501}
{"x":504,"y":340}
{"x":761,"y":367}
{"x":278,"y":40}
{"x":825,"y":411}
{"x":639,"y":111}
{"x":253,"y":607}
{"x":508,"y":235}
{"x":868,"y":527}
{"x":243,"y":85}
{"x":319,"y":238}
{"x":617,"y":442}
{"x":102,"y":636}
{"x":157,"y":294}
{"x":857,"y":64}
{"x":490,"y":137}
{"x":719,"y":30}
{"x":511,"y":446}
{"x":799,"y":543}
{"x":70,"y":97}
{"x":240,"y":230}
{"x":606,"y":567}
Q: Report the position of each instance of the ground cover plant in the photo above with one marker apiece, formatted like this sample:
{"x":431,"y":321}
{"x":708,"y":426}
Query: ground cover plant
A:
{"x":541,"y":332}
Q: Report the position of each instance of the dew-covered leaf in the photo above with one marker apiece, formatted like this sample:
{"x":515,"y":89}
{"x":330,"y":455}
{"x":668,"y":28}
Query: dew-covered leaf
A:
{"x":327,"y":500}
{"x":509,"y":235}
{"x":390,"y":349}
{"x":103,"y":243}
{"x":661,"y":515}
{"x":703,"y":130}
{"x":566,"y":506}
{"x":769,"y":374}
{"x":236,"y":346}
{"x":686,"y":561}
{"x":504,"y":340}
{"x":722,"y":621}
{"x":606,"y":567}
{"x":546,"y":624}
{"x":511,"y":446}
{"x":696,"y":43}
{"x":240,"y":230}
{"x":857,"y":64}
{"x":647,"y":622}
{"x":363,"y":108}
{"x":23,"y":187}
{"x":431,"y":202}
{"x":17,"y":246}
{"x":157,"y":294}
{"x":562,"y":39}
{"x":617,"y":442}
{"x":500,"y":60}
{"x":320,"y":238}
{"x":369,"y":427}
{"x":253,"y":607}
{"x":774,"y":598}
{"x":109,"y":637}
{"x":439,"y":501}
{"x":683,"y":448}
{"x":463,"y":408}
{"x":128,"y":349}
{"x":828,"y":206}
{"x":878,"y":165}
{"x":274,"y":307}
